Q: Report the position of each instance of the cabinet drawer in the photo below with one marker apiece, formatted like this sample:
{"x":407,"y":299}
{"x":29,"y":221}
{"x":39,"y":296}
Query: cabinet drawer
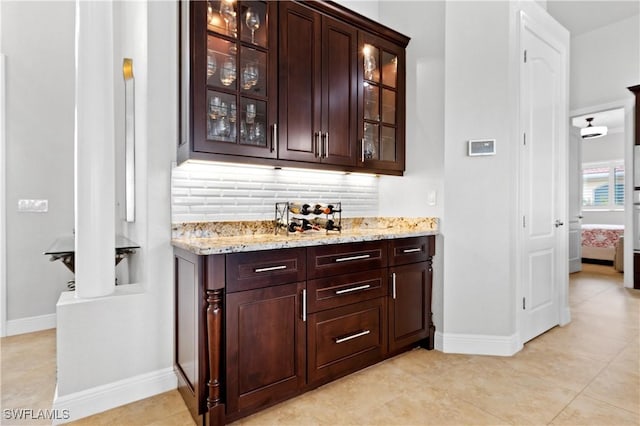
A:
{"x":331,"y":292}
{"x":258,"y":269}
{"x":324,"y":261}
{"x":345,"y":339}
{"x":411,"y":250}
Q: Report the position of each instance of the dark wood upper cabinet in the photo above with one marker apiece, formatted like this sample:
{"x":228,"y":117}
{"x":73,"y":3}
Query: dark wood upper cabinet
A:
{"x":382,"y":104}
{"x":233,"y":79}
{"x":287,"y":83}
{"x":318,"y":93}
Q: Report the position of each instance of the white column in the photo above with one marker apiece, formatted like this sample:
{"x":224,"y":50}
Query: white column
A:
{"x":94,"y":150}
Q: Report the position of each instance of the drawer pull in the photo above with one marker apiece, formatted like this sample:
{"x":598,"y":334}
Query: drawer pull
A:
{"x":393,"y":279}
{"x":270,"y":268}
{"x":412,"y":250}
{"x":349,"y":290}
{"x":304,"y":305}
{"x":353,"y":336}
{"x":358,"y":257}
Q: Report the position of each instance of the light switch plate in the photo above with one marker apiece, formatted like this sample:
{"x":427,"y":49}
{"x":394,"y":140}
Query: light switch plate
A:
{"x":482,"y":147}
{"x":34,"y":206}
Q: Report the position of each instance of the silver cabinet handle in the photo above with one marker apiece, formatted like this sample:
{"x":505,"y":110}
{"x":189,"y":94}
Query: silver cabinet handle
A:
{"x":362,"y":150}
{"x":359,"y":257}
{"x":353,"y":336}
{"x":326,"y":145}
{"x":274,"y":137}
{"x":412,"y":250}
{"x":393,"y":283}
{"x":558,"y":223}
{"x":270,"y":268}
{"x":316,"y":136}
{"x":349,"y":290}
{"x":304,"y":305}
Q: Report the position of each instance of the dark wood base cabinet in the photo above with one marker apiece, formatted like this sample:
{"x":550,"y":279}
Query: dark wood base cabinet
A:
{"x":256,"y":328}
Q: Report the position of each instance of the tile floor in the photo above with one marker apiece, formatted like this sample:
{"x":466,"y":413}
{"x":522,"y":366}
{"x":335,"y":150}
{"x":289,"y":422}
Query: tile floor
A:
{"x":586,"y":373}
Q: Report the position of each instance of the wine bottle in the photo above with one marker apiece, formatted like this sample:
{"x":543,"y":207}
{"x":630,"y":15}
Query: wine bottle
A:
{"x":299,"y":208}
{"x":327,"y":224}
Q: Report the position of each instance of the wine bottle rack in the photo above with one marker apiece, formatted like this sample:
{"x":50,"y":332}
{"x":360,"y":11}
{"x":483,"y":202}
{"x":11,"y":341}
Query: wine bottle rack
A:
{"x":302,"y":217}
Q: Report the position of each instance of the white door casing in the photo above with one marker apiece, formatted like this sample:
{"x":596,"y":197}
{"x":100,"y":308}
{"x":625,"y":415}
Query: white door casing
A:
{"x":575,"y":200}
{"x":543,"y":172}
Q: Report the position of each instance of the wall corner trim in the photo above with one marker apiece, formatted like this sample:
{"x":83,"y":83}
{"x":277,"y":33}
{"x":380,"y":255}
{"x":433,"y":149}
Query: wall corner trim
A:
{"x":480,"y":344}
{"x":105,"y":397}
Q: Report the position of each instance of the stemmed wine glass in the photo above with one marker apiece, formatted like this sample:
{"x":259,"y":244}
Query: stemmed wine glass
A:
{"x":252,"y":19}
{"x":228,"y":12}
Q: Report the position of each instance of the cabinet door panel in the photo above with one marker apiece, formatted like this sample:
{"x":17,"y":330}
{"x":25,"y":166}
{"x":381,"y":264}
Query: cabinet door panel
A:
{"x":265,"y":346}
{"x":340,"y":94}
{"x":409,"y":305}
{"x":300,"y":82}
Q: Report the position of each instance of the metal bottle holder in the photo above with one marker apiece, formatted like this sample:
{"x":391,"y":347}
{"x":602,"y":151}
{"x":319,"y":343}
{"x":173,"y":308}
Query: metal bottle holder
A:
{"x":302,"y":217}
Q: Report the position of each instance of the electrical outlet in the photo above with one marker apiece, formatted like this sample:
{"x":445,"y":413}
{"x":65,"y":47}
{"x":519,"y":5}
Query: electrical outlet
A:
{"x":34,"y":206}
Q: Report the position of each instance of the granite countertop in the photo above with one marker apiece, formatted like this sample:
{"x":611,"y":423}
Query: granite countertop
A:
{"x":205,"y":238}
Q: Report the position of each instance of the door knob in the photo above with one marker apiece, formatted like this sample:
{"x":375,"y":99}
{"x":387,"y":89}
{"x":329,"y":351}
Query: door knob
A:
{"x":559,"y":223}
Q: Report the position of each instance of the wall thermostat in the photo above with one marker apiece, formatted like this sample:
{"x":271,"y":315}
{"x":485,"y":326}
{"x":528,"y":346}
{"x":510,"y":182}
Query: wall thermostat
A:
{"x":482,"y":147}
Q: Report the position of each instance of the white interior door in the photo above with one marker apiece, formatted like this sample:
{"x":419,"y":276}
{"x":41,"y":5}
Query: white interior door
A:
{"x":575,"y":201}
{"x":543,"y":122}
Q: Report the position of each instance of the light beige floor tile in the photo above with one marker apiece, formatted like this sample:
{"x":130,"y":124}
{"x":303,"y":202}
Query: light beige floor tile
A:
{"x":427,"y":408}
{"x":587,"y":411}
{"x":563,"y":368}
{"x":618,"y":387}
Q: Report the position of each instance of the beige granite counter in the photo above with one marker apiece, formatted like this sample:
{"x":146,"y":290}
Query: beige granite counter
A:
{"x":204,"y":238}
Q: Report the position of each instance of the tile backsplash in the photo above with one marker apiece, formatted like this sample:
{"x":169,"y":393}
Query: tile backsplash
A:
{"x":219,"y":192}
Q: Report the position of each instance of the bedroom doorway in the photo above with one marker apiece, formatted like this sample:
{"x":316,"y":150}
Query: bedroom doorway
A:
{"x":598,"y":188}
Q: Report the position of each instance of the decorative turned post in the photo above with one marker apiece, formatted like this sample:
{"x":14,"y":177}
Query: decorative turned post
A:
{"x":214,"y":345}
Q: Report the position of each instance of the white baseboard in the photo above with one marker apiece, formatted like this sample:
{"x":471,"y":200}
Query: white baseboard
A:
{"x":31,"y":324}
{"x":478,"y":344}
{"x":102,"y":398}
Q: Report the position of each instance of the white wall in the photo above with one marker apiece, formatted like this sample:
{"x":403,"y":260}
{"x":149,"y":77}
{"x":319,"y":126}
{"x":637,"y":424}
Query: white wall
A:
{"x":606,"y":148}
{"x":479,"y":191}
{"x":604,"y":62}
{"x":38,"y":41}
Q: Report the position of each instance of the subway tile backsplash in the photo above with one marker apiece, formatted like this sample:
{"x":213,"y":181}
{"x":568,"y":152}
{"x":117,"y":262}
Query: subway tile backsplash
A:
{"x":225,"y":192}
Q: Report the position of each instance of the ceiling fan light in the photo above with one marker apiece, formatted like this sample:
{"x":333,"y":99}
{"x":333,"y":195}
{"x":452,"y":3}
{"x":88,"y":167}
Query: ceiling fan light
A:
{"x":591,"y":131}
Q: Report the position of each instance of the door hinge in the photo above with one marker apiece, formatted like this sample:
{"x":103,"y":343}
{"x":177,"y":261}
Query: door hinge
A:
{"x":524,"y":303}
{"x":524,"y":221}
{"x":524,"y":139}
{"x":525,"y":56}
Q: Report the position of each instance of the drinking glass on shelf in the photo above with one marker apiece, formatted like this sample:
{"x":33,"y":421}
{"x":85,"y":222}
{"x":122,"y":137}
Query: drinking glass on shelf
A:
{"x":249,"y":76}
{"x":232,"y":112}
{"x":228,"y":12}
{"x":211,"y":63}
{"x":228,"y":71}
{"x":214,"y":107}
{"x":251,"y":113}
{"x":258,"y":130}
{"x":252,"y":19}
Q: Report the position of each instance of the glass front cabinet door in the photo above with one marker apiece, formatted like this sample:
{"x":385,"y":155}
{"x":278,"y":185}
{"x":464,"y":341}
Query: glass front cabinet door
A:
{"x":233,"y":76}
{"x":382,"y":104}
